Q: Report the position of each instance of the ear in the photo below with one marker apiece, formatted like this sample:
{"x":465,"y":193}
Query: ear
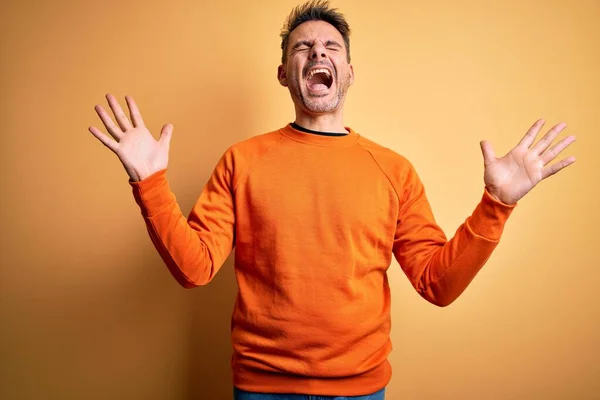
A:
{"x":281,"y":75}
{"x":351,"y":74}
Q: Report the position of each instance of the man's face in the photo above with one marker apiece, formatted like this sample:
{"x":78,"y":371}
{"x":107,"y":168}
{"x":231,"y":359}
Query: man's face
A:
{"x":316,"y":71}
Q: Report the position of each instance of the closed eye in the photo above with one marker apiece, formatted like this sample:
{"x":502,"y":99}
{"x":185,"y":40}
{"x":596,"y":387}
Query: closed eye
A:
{"x":301,"y":46}
{"x":333,"y":45}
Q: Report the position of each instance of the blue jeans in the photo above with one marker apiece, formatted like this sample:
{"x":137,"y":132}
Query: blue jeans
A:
{"x":243,"y":395}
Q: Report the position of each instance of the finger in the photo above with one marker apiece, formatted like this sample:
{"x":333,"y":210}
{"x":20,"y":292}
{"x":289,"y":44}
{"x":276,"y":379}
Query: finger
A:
{"x":165,"y":135}
{"x":114,"y":130}
{"x":488,"y":152}
{"x":548,"y":138}
{"x":554,"y":168}
{"x":118,"y":112}
{"x":529,"y":137}
{"x":108,"y":142}
{"x":551,"y":153}
{"x":134,"y":112}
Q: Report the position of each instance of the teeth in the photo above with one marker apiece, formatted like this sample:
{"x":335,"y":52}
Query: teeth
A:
{"x":318,"y":71}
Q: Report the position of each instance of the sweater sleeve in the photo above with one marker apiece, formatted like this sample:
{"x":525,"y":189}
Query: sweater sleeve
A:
{"x":440,"y":269}
{"x":193,"y":248}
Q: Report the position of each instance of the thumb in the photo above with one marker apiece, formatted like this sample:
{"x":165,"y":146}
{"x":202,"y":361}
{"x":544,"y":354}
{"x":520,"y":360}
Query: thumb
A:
{"x":165,"y":135}
{"x":488,"y":152}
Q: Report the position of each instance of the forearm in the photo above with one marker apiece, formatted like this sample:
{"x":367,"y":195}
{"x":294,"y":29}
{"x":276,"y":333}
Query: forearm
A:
{"x":441,"y":270}
{"x":179,"y":245}
{"x":453,"y":266}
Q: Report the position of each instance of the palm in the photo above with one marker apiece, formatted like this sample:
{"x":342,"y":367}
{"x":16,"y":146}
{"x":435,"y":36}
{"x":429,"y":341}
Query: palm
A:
{"x":138,"y":151}
{"x":511,"y":177}
{"x":139,"y":148}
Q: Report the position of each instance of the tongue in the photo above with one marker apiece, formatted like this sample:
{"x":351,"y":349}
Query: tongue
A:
{"x":317,"y":86}
{"x":318,"y":82}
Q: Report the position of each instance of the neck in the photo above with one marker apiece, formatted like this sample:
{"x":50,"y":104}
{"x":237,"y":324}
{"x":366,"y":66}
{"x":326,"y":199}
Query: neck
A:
{"x":330,"y":122}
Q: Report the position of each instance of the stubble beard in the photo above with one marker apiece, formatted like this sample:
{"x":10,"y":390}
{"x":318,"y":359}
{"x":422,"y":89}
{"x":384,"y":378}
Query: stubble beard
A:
{"x":313,"y":104}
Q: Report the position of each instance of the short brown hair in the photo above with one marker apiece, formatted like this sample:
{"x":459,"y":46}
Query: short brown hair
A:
{"x":314,"y":10}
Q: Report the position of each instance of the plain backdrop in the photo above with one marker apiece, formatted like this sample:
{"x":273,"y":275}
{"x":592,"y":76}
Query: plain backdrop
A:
{"x":89,"y":311}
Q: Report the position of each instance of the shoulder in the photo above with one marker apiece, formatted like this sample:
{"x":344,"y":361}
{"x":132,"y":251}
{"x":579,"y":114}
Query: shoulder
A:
{"x":249,"y":150}
{"x":392,"y":163}
{"x":242,"y":156}
{"x":253,"y":148}
{"x":397,"y":168}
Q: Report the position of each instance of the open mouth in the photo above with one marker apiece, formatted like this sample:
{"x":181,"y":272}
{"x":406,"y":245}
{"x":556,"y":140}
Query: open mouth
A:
{"x":319,"y":79}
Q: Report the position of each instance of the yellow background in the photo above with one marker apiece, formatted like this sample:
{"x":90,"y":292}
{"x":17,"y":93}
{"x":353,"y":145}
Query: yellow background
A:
{"x":89,"y":311}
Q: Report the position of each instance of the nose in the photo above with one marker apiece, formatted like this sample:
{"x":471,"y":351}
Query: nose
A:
{"x":317,"y":51}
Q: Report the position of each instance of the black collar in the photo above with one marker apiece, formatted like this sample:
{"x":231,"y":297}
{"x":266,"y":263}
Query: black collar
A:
{"x":298,"y":127}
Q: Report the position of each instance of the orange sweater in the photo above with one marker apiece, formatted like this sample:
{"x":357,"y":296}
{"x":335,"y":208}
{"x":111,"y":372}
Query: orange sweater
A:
{"x":315,"y":221}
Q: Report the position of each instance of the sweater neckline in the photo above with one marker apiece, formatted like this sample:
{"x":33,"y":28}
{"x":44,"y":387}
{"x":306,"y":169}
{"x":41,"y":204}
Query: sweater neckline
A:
{"x":300,"y":128}
{"x":320,"y":140}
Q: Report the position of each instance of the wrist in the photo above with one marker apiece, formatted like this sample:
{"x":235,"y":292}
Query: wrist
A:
{"x":139,"y":174}
{"x":500,"y":199}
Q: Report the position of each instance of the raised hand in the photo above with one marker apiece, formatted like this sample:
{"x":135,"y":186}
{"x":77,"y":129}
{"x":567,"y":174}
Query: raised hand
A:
{"x":511,"y":177}
{"x":139,"y":152}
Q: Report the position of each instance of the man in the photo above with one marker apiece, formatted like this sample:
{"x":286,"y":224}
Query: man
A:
{"x":315,"y":212}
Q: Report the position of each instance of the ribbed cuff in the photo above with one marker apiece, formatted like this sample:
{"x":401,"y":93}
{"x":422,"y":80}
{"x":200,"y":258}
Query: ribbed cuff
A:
{"x":489,"y":217}
{"x":153,"y":193}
